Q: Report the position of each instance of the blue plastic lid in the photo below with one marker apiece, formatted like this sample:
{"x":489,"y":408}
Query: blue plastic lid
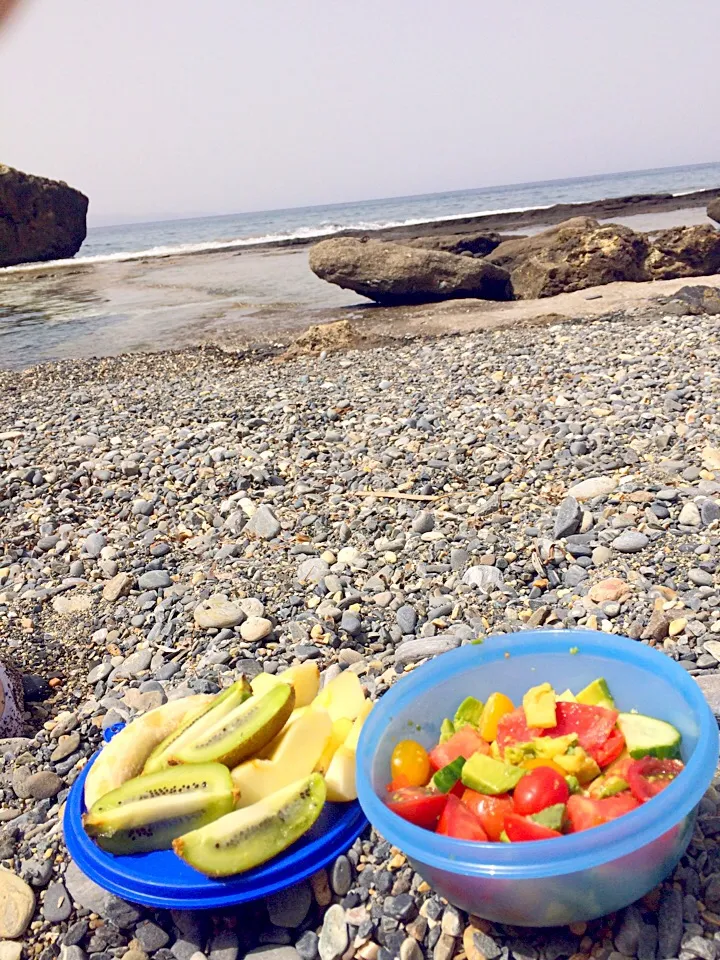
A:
{"x":162,"y":879}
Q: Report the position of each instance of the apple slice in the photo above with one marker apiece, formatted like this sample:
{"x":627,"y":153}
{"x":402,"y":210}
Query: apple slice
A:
{"x":342,"y":697}
{"x":303,"y":677}
{"x":340,"y":776}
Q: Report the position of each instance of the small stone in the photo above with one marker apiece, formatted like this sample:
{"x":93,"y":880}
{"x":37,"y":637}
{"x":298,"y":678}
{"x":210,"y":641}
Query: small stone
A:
{"x":444,"y":948}
{"x":412,"y":650}
{"x":289,"y":907}
{"x":88,"y":894}
{"x":709,"y":512}
{"x":150,"y":936}
{"x":698,"y":947}
{"x":67,"y":745}
{"x":334,"y":936}
{"x":218,"y":612}
{"x":312,"y":570}
{"x":479,"y":946}
{"x":567,"y":518}
{"x":700,"y":577}
{"x":658,"y":626}
{"x":677,"y":626}
{"x":690,"y":515}
{"x":487,"y":578}
{"x":93,"y":545}
{"x":631,"y":541}
{"x":40,"y":786}
{"x":341,"y":878}
{"x":10,"y":950}
{"x":670,"y":923}
{"x":17,"y":905}
{"x":350,"y":623}
{"x":406,"y":618}
{"x":711,"y":458}
{"x":154,"y":580}
{"x":320,"y":884}
{"x":119,"y":586}
{"x":57,"y":905}
{"x":224,"y":945}
{"x":252,"y":607}
{"x":628,"y":936}
{"x":67,"y":604}
{"x":613,"y":589}
{"x":593,"y":487}
{"x":423,"y":522}
{"x":601,"y":555}
{"x":410,"y":950}
{"x":713,"y":648}
{"x":256,"y":628}
{"x":273,"y":952}
{"x":709,"y":683}
{"x":451,"y":922}
{"x":307,"y":946}
{"x":263,"y":524}
{"x":135,"y":664}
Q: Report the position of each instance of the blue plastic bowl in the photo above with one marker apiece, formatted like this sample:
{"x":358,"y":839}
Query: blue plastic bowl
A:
{"x":577,"y":877}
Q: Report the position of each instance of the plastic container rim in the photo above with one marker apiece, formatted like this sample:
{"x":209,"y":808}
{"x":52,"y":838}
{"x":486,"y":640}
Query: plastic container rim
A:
{"x":571,"y":853}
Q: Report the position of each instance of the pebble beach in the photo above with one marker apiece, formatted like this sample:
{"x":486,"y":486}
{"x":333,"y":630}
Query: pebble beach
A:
{"x":172,"y":520}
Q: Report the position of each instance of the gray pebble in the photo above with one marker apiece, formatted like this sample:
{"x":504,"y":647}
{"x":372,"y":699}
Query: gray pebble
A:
{"x":631,"y":541}
{"x":57,"y":905}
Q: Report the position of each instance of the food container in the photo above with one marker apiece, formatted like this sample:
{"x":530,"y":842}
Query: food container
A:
{"x":576,"y":877}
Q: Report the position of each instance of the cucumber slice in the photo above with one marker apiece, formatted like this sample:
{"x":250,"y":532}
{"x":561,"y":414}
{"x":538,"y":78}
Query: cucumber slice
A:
{"x":446,"y":778}
{"x":648,"y":737}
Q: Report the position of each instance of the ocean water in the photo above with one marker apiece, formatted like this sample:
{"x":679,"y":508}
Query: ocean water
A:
{"x":124,"y":291}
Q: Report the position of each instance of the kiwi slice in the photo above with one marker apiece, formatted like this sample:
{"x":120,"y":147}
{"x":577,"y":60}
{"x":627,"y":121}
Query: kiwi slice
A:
{"x":149,"y":812}
{"x":241,"y":733}
{"x":198,"y":723}
{"x":246,"y":838}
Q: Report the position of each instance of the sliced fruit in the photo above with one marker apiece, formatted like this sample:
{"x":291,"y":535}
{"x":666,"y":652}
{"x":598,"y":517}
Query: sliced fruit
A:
{"x":304,"y":678}
{"x":149,"y":812}
{"x":194,"y":726}
{"x":613,"y":748}
{"x":464,"y":743}
{"x":340,"y":776}
{"x":469,"y":712}
{"x":520,"y":829}
{"x":567,"y":696}
{"x":490,"y":811}
{"x":597,"y":694}
{"x":459,"y":822}
{"x":648,"y":737}
{"x":295,"y":753}
{"x":486,"y":775}
{"x":497,"y":706}
{"x":342,"y":697}
{"x":418,"y":805}
{"x":124,"y":756}
{"x":246,"y":838}
{"x":513,"y":729}
{"x":584,"y":812}
{"x":593,"y":725}
{"x":340,"y":729}
{"x":648,"y":776}
{"x":539,"y":706}
{"x":244,"y":731}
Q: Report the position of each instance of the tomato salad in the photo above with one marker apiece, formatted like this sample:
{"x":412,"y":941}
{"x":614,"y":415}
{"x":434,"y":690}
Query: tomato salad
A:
{"x":558,"y":764}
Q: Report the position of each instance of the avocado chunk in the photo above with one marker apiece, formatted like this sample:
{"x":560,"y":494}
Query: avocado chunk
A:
{"x":551,"y":817}
{"x":608,"y":787}
{"x":485,"y":775}
{"x":504,"y":838}
{"x":539,"y":706}
{"x":544,"y":747}
{"x":597,"y":694}
{"x":468,"y":712}
{"x":573,"y":783}
{"x":447,"y":730}
{"x":446,"y":778}
{"x":577,"y":762}
{"x":648,"y":737}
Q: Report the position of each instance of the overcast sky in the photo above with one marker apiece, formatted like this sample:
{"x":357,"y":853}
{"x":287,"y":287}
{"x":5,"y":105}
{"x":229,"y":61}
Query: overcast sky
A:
{"x":180,"y":107}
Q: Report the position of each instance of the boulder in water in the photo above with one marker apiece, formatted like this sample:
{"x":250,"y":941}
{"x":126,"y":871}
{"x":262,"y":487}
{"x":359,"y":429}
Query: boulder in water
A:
{"x":391,"y":273}
{"x":40,"y":219}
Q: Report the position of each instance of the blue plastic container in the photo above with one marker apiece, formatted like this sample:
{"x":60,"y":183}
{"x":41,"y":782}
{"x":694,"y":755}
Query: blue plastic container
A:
{"x":577,"y":877}
{"x":161,"y":879}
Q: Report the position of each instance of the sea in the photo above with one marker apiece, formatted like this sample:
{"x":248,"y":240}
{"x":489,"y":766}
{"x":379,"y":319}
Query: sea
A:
{"x":130,"y":289}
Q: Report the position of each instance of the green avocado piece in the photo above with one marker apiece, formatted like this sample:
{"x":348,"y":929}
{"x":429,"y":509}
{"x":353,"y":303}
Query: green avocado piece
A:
{"x":486,"y":775}
{"x":573,"y":783}
{"x":551,"y":817}
{"x":608,"y":787}
{"x":504,"y":838}
{"x":597,"y":694}
{"x":446,"y":778}
{"x":468,"y":712}
{"x":447,"y":730}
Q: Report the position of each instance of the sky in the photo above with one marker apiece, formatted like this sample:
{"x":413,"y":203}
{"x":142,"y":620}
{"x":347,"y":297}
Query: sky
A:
{"x":159,"y":108}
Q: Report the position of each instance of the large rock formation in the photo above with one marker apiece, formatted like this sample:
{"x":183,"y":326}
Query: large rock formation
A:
{"x":40,"y":219}
{"x":683,"y":252}
{"x":575,"y":254}
{"x":475,"y":244}
{"x":390,"y":273}
{"x":713,"y":210}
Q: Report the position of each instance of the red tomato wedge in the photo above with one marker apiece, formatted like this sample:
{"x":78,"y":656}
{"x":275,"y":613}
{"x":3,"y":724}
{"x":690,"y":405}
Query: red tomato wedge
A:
{"x":593,"y":725}
{"x":648,"y":776}
{"x":584,"y":813}
{"x":464,"y":743}
{"x":611,"y":749}
{"x":540,"y":788}
{"x":418,"y":805}
{"x":457,"y":821}
{"x":513,"y":729}
{"x":519,"y":828}
{"x":490,"y":811}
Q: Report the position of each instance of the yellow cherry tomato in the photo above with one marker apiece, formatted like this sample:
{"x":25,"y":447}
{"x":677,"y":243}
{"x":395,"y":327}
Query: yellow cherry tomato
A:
{"x":541,"y":762}
{"x":497,"y":706}
{"x":410,"y":764}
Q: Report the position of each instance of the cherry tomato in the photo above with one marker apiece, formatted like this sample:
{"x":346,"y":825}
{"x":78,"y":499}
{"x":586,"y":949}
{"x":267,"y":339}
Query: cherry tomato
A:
{"x":497,"y":706}
{"x":540,"y":788}
{"x":418,"y":805}
{"x":410,"y":764}
{"x":457,"y":821}
{"x":490,"y":811}
{"x":609,"y":751}
{"x":584,"y":812}
{"x":648,"y":776}
{"x":519,"y":828}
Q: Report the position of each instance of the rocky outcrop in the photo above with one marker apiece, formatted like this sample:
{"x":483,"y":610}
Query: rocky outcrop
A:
{"x":713,"y":210}
{"x":468,"y":244}
{"x":571,"y":256}
{"x":391,"y":273}
{"x":694,"y":301}
{"x":683,"y":252}
{"x":40,"y":219}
